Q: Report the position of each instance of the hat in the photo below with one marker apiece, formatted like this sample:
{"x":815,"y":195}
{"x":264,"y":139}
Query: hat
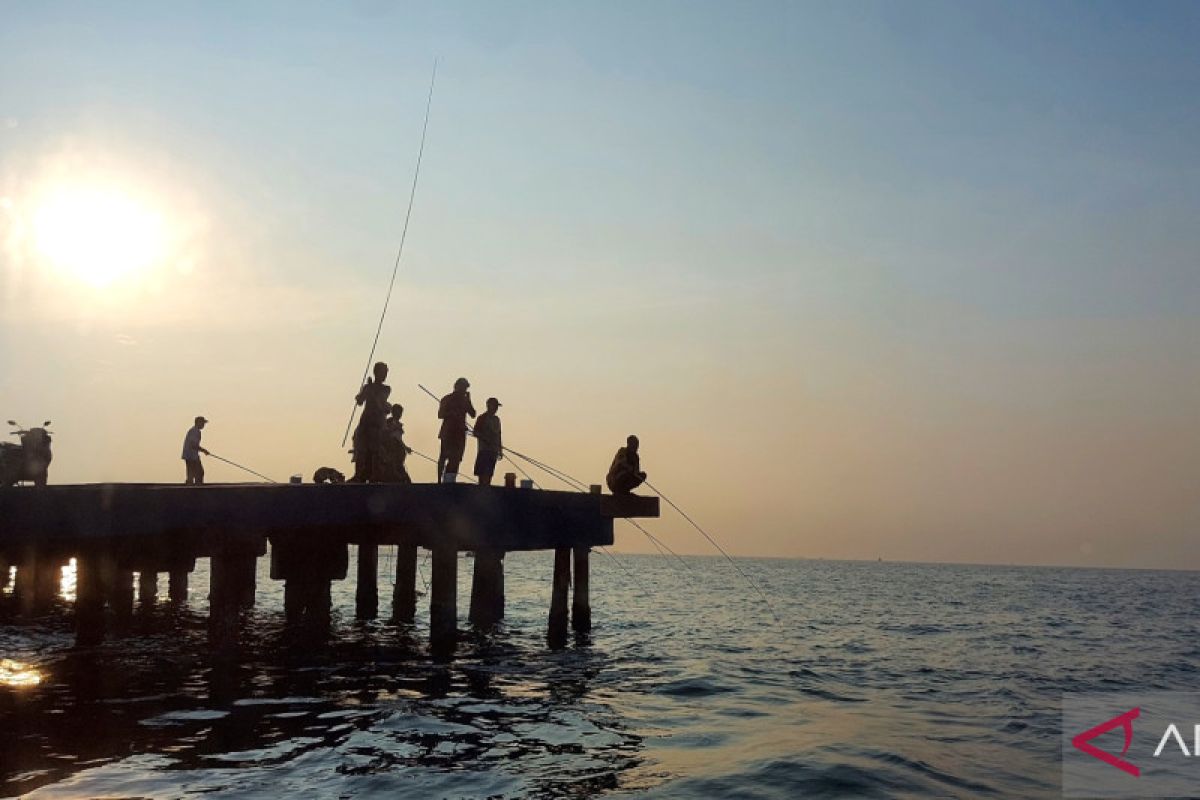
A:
{"x":200,"y":419}
{"x":491,"y":400}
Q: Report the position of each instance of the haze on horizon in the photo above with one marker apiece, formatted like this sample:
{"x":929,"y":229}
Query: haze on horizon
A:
{"x":914,"y":281}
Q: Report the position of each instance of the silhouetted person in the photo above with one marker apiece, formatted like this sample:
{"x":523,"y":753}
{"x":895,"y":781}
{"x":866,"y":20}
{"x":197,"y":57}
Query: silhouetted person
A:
{"x":487,"y":436}
{"x":395,"y":451}
{"x":453,"y":411}
{"x":626,"y":474}
{"x":368,"y":436}
{"x":191,"y":453}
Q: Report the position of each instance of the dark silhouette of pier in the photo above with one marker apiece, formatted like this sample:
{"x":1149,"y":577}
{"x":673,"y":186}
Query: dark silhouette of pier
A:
{"x":115,"y":530}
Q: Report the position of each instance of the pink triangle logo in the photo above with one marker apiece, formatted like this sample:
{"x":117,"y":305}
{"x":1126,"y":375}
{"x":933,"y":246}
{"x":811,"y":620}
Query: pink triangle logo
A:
{"x":1125,"y":721}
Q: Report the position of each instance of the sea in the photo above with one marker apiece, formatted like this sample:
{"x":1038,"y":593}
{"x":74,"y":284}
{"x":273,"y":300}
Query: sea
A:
{"x":701,"y":678}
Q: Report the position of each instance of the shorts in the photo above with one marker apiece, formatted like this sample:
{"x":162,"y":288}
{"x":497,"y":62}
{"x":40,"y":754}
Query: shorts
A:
{"x":485,"y":463}
{"x":452,"y":449}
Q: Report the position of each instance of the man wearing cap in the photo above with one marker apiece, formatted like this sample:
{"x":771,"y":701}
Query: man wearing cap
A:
{"x":452,"y":411}
{"x":191,"y":454}
{"x":487,"y":435}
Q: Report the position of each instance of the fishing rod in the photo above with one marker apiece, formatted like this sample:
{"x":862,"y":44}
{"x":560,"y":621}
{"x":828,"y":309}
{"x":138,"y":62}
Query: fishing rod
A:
{"x":713,"y":541}
{"x":239,"y":466}
{"x":400,"y":251}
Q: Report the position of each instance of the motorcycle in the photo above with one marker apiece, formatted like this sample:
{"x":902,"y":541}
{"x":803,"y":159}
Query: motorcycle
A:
{"x":27,"y":461}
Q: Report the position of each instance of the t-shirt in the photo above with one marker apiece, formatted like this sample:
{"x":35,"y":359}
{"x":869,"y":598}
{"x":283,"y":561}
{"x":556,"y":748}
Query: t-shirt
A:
{"x":374,"y":399}
{"x":487,"y":431}
{"x":453,"y":412}
{"x":191,"y":445}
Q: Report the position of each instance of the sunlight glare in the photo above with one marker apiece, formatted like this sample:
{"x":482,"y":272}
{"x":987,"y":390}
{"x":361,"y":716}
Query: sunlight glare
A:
{"x":16,"y":674}
{"x":99,"y":234}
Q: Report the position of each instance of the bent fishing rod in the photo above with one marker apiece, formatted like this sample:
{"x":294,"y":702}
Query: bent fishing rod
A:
{"x":399,"y":252}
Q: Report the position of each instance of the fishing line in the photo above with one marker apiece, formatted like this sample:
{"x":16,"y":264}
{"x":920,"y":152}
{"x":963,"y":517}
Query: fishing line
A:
{"x":399,"y":252}
{"x":713,"y":541}
{"x":574,"y":483}
{"x":245,"y":469}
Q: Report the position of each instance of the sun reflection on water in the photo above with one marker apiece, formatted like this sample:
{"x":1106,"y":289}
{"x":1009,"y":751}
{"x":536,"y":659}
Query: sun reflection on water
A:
{"x":66,"y":586}
{"x":16,"y":674}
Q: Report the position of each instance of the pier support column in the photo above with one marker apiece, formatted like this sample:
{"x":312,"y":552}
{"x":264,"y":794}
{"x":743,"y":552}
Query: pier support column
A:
{"x":581,"y":607}
{"x":245,"y":578}
{"x":487,"y":589}
{"x":177,"y":586}
{"x":120,"y":592}
{"x":404,"y":596}
{"x":366,"y":592}
{"x":147,"y":588}
{"x":89,"y":600}
{"x":557,"y":632}
{"x":443,"y":601}
{"x":223,"y":596}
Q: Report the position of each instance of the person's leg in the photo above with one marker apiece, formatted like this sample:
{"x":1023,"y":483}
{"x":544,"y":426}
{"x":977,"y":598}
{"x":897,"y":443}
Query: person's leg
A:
{"x":481,"y":467}
{"x":199,"y":472}
{"x":187,"y":465}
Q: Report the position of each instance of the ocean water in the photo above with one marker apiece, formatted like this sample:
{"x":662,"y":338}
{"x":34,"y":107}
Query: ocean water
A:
{"x":862,"y":680}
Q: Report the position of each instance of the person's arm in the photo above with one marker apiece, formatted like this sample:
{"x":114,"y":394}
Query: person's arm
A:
{"x":362,"y":393}
{"x":442,"y":408}
{"x":499,"y":442}
{"x":470,"y":407}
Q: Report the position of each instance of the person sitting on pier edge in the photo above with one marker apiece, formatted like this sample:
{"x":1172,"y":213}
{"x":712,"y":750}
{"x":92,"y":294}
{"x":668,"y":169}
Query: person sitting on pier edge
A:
{"x":395,"y":451}
{"x":191,"y":453}
{"x":368,"y":436}
{"x":453,"y":411}
{"x":487,"y":436}
{"x":626,"y":474}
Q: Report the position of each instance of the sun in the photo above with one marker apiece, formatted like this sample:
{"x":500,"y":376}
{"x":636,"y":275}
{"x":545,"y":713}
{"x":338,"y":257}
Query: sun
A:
{"x":99,"y":234}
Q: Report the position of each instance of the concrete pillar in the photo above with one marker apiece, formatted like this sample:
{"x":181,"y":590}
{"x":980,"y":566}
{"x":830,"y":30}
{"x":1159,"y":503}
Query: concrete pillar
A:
{"x":443,"y":601}
{"x":89,"y":600}
{"x":120,"y":591}
{"x":581,"y":607}
{"x":177,"y":586}
{"x":147,"y":588}
{"x":404,"y":596}
{"x":487,"y":589}
{"x":557,"y":631}
{"x":366,"y":592}
{"x":223,"y":596}
{"x":245,"y":578}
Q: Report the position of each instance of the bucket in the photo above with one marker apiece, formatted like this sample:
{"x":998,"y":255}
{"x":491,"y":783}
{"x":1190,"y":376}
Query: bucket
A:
{"x":449,"y":477}
{"x":526,"y":483}
{"x":510,"y":480}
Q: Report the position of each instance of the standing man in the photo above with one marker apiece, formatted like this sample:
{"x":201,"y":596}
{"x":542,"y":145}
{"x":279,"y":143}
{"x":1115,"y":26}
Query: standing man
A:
{"x":453,"y":411}
{"x":487,"y":436}
{"x":368,"y":436}
{"x":626,"y":474}
{"x":191,"y":454}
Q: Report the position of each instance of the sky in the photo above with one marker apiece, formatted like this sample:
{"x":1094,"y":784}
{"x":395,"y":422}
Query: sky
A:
{"x":911,"y":281}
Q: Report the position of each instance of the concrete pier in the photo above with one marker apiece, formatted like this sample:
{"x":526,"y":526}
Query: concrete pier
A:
{"x":404,"y":594}
{"x":487,"y":589}
{"x":443,"y":599}
{"x":581,"y":606}
{"x":366,"y":591}
{"x":557,"y":631}
{"x":115,"y":530}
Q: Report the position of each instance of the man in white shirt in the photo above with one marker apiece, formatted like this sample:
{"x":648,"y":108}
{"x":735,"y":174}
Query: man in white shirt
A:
{"x":191,"y":454}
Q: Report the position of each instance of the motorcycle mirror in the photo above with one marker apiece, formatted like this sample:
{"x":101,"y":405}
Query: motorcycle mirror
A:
{"x":47,"y":422}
